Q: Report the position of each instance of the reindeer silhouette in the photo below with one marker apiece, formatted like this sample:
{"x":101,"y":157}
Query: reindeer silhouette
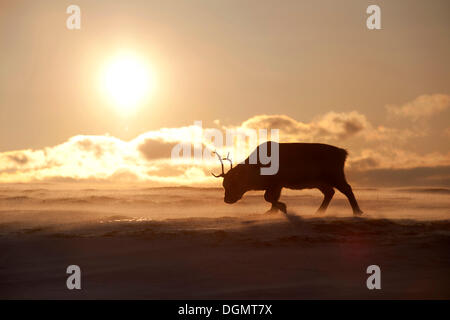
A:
{"x":301,"y":166}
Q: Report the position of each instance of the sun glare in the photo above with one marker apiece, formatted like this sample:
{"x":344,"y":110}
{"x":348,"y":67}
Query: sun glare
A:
{"x":128,"y":81}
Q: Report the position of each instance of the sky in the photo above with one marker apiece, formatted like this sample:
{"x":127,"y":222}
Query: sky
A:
{"x":309,"y":68}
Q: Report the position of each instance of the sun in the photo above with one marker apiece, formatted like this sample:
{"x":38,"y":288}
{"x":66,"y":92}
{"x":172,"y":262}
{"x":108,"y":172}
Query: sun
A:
{"x":128,"y":81}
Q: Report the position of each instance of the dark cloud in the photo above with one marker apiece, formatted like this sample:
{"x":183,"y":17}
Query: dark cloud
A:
{"x":340,"y":125}
{"x":281,"y":122}
{"x":332,"y":125}
{"x":423,"y":106}
{"x":285,"y":124}
{"x":88,"y":145}
{"x":364,"y":164}
{"x":420,"y":176}
{"x":20,"y":159}
{"x":156,"y":149}
{"x":351,"y":128}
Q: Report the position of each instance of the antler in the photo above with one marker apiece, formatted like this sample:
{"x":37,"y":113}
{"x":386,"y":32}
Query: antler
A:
{"x":221,"y":163}
{"x":228,"y":159}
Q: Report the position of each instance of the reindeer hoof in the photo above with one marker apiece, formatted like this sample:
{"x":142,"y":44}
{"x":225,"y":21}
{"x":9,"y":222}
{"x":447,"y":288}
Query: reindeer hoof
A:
{"x":282,"y":207}
{"x":272,"y":210}
{"x":357,"y":213}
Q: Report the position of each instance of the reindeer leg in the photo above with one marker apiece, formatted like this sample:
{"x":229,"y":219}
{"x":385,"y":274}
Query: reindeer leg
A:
{"x":272,"y":195}
{"x":269,"y":197}
{"x":328,"y":193}
{"x":282,"y":206}
{"x":346,"y":189}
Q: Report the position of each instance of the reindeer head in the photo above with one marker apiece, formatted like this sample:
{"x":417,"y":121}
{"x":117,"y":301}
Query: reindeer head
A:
{"x":233,"y":182}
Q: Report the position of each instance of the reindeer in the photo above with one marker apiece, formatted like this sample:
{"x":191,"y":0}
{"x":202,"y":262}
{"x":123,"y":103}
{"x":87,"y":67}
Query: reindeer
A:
{"x":301,"y":166}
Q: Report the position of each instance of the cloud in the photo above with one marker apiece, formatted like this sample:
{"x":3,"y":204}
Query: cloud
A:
{"x":422,"y":107}
{"x":330,"y":126}
{"x":281,"y":122}
{"x":87,"y":145}
{"x":340,"y":125}
{"x":148,"y":156}
{"x":364,"y":163}
{"x":395,"y":158}
{"x":397,"y":177}
{"x":156,"y":149}
{"x":18,"y":158}
{"x":392,"y":135}
{"x":103,"y":157}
